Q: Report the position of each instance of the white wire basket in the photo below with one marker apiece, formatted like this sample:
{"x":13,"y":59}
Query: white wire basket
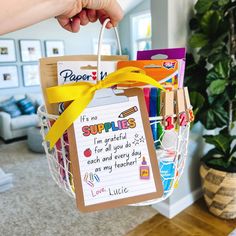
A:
{"x":171,"y":149}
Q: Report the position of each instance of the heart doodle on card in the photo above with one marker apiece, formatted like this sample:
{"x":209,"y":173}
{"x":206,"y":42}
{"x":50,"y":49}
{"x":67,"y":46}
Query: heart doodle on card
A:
{"x":94,"y":75}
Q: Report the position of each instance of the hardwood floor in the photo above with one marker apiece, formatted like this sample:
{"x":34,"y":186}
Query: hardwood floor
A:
{"x":195,"y":220}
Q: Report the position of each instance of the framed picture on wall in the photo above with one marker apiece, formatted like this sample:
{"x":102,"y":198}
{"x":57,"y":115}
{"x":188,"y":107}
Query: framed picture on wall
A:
{"x":54,"y":48}
{"x":108,"y":47}
{"x":31,"y":75}
{"x":30,"y":50}
{"x":9,"y":77}
{"x":7,"y":50}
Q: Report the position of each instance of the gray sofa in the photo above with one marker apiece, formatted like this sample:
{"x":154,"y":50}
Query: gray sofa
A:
{"x":13,"y":128}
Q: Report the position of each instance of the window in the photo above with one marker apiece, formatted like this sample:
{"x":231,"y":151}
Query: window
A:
{"x":141,"y":33}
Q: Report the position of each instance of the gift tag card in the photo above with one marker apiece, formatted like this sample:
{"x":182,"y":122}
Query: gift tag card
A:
{"x":113,"y":155}
{"x":83,"y":71}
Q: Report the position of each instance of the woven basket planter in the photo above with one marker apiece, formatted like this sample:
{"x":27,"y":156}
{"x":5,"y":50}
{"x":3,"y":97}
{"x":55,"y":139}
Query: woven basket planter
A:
{"x":219,"y":189}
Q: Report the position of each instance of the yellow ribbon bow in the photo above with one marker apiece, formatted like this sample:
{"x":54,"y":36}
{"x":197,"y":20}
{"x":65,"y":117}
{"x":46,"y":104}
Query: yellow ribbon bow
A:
{"x":81,"y":94}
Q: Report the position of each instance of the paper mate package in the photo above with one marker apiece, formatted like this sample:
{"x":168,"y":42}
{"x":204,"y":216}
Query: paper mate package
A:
{"x":164,"y":71}
{"x":167,"y":54}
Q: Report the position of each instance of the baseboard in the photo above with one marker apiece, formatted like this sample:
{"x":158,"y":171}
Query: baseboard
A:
{"x":171,"y":211}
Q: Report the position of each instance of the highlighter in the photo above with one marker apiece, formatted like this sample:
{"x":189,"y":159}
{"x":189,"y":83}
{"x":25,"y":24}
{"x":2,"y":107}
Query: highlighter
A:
{"x":146,"y":92}
{"x":159,"y":126}
{"x":153,"y":113}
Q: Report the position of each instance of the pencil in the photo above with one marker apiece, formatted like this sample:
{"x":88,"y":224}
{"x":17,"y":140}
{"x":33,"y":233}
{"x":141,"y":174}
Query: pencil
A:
{"x":128,"y":112}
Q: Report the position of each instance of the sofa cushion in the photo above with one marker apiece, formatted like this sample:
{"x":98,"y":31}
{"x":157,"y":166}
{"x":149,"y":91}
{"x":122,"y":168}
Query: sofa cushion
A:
{"x":26,"y":106}
{"x":24,"y":121}
{"x":9,"y":106}
{"x":36,"y":98}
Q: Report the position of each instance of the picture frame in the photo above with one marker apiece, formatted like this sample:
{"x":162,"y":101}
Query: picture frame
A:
{"x":54,"y":48}
{"x":31,"y":75}
{"x":30,"y":50}
{"x":7,"y":50}
{"x":9,"y":77}
{"x":108,"y":47}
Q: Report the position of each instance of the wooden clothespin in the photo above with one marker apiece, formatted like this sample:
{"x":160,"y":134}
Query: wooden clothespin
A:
{"x":189,"y":108}
{"x":181,"y":108}
{"x":167,"y":100}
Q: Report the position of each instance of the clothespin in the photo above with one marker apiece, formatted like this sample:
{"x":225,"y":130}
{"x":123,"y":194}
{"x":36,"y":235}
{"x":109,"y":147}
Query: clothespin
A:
{"x":189,"y":108}
{"x":181,"y":108}
{"x":167,"y":99}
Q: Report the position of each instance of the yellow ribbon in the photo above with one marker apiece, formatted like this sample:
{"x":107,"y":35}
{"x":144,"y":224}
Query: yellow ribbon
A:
{"x":81,"y":94}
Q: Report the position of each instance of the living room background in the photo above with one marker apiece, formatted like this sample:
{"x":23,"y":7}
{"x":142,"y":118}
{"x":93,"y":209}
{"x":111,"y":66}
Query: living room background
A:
{"x":75,"y":44}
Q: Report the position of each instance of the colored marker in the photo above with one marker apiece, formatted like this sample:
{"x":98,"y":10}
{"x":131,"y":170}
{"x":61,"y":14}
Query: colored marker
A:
{"x":153,"y":112}
{"x":160,"y":129}
{"x":146,"y":92}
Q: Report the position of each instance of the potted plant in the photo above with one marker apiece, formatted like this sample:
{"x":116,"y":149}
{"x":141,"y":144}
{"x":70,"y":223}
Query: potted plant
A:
{"x":211,"y":78}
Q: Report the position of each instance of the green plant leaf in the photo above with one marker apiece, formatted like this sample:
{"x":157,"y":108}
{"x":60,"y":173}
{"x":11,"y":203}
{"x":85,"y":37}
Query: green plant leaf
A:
{"x":210,"y":22}
{"x":198,"y":40}
{"x":223,"y":69}
{"x":219,"y":162}
{"x":219,"y":141}
{"x":217,"y":87}
{"x":203,"y":5}
{"x":215,"y":50}
{"x":197,"y":100}
{"x":218,"y":100}
{"x":213,"y":153}
{"x":214,"y":159}
{"x":217,"y":56}
{"x":222,"y":142}
{"x":212,"y":76}
{"x":213,"y":117}
{"x":220,"y":116}
{"x":223,"y":2}
{"x":233,"y":151}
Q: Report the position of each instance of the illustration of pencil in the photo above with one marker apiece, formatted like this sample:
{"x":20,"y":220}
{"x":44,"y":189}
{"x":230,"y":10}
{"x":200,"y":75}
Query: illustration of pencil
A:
{"x":128,"y":112}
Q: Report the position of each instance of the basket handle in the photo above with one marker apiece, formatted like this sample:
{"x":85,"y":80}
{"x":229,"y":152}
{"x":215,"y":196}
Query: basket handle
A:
{"x":100,"y":44}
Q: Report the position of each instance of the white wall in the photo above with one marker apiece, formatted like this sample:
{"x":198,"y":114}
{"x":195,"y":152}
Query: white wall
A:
{"x":170,"y":20}
{"x":75,"y":43}
{"x":125,"y":25}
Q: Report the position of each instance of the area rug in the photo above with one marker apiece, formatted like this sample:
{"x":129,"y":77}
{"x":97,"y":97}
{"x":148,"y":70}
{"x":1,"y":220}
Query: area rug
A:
{"x":35,"y":206}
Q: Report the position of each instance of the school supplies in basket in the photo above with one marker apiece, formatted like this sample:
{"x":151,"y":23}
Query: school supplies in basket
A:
{"x":164,"y":71}
{"x":93,"y":166}
{"x":167,"y":54}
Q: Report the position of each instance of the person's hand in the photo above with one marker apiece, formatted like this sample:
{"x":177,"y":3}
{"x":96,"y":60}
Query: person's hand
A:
{"x":81,"y":12}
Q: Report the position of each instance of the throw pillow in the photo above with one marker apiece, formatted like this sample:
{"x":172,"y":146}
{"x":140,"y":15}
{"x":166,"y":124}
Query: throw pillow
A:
{"x":9,"y":106}
{"x":26,"y":106}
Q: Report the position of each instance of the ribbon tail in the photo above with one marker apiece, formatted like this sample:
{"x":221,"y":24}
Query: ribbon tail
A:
{"x":66,"y":119}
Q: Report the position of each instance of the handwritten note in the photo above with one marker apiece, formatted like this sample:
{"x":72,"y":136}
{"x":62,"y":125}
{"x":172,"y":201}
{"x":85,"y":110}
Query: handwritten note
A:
{"x":113,"y":156}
